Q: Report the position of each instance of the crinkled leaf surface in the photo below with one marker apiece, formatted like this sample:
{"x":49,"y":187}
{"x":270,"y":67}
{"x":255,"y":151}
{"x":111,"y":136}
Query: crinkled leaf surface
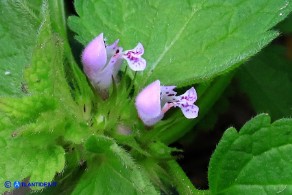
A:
{"x":39,"y":162}
{"x":112,"y":171}
{"x":18,"y":31}
{"x":31,"y":125}
{"x":267,"y":80}
{"x":257,"y":160}
{"x":185,"y":41}
{"x":34,"y":155}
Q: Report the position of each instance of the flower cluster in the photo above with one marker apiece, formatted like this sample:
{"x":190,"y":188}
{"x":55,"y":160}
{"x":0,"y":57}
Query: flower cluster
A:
{"x":101,"y":64}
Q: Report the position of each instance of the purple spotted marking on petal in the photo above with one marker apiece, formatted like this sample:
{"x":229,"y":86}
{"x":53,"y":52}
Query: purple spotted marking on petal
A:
{"x":189,"y":97}
{"x":190,"y":111}
{"x":167,"y":91}
{"x":186,"y":103}
{"x":137,"y":51}
{"x":167,"y":94}
{"x":136,"y":64}
{"x":134,"y":59}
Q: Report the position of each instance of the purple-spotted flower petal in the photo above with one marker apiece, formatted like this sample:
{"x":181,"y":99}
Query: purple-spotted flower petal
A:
{"x":134,"y":59}
{"x":102,"y":62}
{"x":186,"y":103}
{"x":155,"y":100}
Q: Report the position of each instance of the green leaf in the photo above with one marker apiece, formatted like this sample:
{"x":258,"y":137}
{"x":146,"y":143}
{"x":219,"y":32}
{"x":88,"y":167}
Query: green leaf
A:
{"x":32,"y":126}
{"x":206,"y":38}
{"x":28,"y":108}
{"x":18,"y":30}
{"x":266,"y":79}
{"x":28,"y":148}
{"x":20,"y":159}
{"x":257,"y":160}
{"x":45,"y":74}
{"x":112,"y":171}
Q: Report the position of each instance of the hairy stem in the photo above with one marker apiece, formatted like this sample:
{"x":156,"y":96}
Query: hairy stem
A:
{"x":181,"y":180}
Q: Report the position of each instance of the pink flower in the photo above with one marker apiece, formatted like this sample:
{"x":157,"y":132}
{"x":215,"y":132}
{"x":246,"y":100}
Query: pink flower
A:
{"x":102,"y":62}
{"x":155,"y":100}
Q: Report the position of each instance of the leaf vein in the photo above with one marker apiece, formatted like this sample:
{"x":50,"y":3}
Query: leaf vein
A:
{"x":167,"y":48}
